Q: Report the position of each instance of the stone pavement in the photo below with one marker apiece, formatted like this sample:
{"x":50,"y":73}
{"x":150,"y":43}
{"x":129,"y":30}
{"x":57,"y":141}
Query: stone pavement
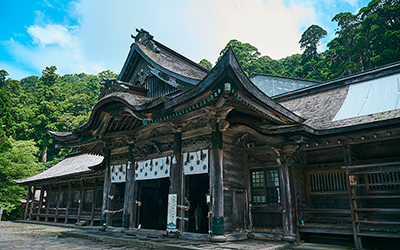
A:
{"x":34,"y":236}
{"x":44,"y":236}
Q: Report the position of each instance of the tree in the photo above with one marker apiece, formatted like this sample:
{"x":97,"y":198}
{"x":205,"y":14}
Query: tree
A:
{"x":18,"y":163}
{"x":246,"y":54}
{"x":205,"y":64}
{"x":310,"y":40}
{"x":6,"y":122}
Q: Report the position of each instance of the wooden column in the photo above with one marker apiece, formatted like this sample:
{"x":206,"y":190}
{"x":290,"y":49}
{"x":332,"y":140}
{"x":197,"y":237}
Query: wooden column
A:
{"x":287,"y":207}
{"x":353,"y":203}
{"x":106,"y":189}
{"x":40,"y":203}
{"x":58,"y":202}
{"x":68,"y":202}
{"x":129,"y":191}
{"x":81,"y":200}
{"x":177,"y":185}
{"x":32,"y":203}
{"x":48,"y":198}
{"x":216,"y":179}
{"x":27,"y":202}
{"x":94,"y":201}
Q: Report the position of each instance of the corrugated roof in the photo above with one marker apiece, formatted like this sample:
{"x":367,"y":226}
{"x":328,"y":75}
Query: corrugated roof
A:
{"x":71,"y":165}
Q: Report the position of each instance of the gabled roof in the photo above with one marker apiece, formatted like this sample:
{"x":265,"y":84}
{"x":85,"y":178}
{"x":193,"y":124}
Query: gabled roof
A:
{"x":162,"y":62}
{"x":71,"y":165}
{"x":242,"y":93}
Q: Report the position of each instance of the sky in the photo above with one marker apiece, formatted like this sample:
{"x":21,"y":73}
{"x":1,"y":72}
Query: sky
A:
{"x":94,"y":35}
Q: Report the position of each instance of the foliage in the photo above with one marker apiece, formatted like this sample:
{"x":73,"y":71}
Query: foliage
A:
{"x":52,"y":102}
{"x":366,"y":40}
{"x":250,"y":60}
{"x":18,"y":163}
{"x":310,"y":40}
{"x":6,"y":122}
{"x":205,"y":64}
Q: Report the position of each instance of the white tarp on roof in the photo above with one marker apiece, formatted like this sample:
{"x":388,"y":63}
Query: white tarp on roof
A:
{"x":371,"y":97}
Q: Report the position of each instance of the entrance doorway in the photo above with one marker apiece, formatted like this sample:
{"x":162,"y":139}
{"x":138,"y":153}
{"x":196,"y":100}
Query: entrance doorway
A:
{"x":153,"y":194}
{"x":198,"y":188}
{"x":118,"y":191}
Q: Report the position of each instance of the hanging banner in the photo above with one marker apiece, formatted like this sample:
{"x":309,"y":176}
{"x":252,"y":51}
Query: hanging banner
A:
{"x":172,"y":205}
{"x":195,"y":162}
{"x":153,"y":169}
{"x":118,"y":173}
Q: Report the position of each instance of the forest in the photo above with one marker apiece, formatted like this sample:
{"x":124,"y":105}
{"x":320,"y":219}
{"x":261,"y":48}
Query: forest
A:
{"x":34,"y":105}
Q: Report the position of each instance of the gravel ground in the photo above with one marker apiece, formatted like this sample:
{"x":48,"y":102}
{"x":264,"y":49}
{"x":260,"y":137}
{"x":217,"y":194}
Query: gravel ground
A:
{"x":31,"y":236}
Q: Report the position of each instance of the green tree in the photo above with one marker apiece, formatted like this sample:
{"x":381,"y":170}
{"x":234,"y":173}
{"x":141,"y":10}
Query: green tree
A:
{"x":246,"y":54}
{"x":18,"y":163}
{"x":205,"y":64}
{"x":310,"y":40}
{"x":6,"y":122}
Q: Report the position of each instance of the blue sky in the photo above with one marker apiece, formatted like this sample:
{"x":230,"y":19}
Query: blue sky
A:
{"x":94,"y":35}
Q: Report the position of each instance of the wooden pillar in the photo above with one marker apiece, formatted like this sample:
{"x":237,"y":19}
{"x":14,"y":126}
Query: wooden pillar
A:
{"x":129,"y":191}
{"x":216,"y":183}
{"x":58,"y":202}
{"x":40,"y":203}
{"x":177,"y":183}
{"x":94,"y":201}
{"x":353,"y":202}
{"x":32,"y":203}
{"x":27,"y":202}
{"x":48,"y":198}
{"x":81,"y":200}
{"x":288,"y":208}
{"x":106,"y":189}
{"x":68,"y":202}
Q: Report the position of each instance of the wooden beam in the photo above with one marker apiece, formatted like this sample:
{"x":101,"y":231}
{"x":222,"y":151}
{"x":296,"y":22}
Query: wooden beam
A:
{"x":81,"y":201}
{"x":177,"y":178}
{"x":32,"y":203}
{"x":216,"y":175}
{"x":106,"y":187}
{"x":58,"y":202}
{"x":48,"y":198}
{"x":68,"y":202}
{"x":94,"y":201}
{"x":40,"y":203}
{"x":27,"y":202}
{"x":129,"y":192}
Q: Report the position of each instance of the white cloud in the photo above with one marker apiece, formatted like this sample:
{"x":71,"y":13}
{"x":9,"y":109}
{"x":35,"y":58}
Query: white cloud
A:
{"x":52,"y":34}
{"x":53,"y":45}
{"x":270,"y":26}
{"x":196,"y":29}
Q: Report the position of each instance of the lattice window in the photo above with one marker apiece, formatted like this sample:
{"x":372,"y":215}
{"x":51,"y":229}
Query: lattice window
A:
{"x":328,"y":182}
{"x":265,"y":186}
{"x":384,"y":181}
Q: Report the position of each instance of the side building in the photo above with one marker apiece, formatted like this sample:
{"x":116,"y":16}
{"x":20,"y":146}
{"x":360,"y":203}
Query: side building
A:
{"x":318,"y":160}
{"x":69,"y":192}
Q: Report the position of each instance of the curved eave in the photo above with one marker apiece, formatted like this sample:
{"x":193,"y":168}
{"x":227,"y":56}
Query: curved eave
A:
{"x":138,"y":106}
{"x":133,"y":102}
{"x":229,"y":62}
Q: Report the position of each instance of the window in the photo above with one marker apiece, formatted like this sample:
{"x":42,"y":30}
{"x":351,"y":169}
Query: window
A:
{"x":265,"y":186}
{"x":384,"y":181}
{"x":328,"y":182}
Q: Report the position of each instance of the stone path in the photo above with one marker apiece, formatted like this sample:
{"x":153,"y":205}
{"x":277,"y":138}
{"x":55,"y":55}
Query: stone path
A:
{"x":31,"y":236}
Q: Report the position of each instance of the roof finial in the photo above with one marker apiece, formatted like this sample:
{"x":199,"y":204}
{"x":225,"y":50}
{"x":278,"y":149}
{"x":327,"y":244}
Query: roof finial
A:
{"x":145,"y":38}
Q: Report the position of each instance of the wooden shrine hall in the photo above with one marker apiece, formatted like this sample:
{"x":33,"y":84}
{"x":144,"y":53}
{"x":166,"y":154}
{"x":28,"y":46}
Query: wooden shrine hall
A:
{"x":209,"y":152}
